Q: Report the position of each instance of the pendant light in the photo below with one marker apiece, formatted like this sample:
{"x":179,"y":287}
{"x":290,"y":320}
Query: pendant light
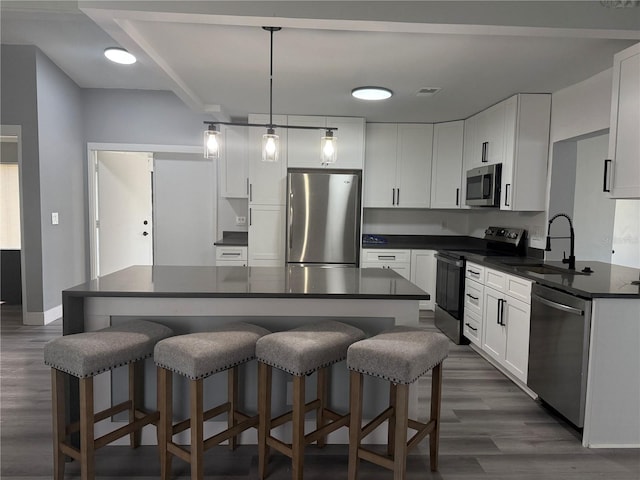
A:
{"x":271,"y":140}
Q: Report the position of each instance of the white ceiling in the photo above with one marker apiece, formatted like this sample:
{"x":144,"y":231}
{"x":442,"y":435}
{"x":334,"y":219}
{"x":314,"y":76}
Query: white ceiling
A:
{"x":215,"y":56}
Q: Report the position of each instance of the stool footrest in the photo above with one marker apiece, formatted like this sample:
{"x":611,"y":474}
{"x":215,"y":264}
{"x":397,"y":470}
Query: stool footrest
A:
{"x":179,"y":452}
{"x":280,"y":446}
{"x":69,"y":451}
{"x":341,"y":421}
{"x":230,"y":432}
{"x":286,"y":417}
{"x":208,"y":415}
{"x":102,"y":415}
{"x":373,"y":457}
{"x":126,"y":429}
{"x":423,"y":429}
{"x":376,"y":422}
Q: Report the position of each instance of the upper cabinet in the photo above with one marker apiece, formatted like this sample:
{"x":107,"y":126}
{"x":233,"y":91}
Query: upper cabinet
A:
{"x":267,"y":180}
{"x":398,"y":165}
{"x":515,"y":133}
{"x":304,"y":145}
{"x":446,"y":172}
{"x":233,"y":164}
{"x":622,"y":168}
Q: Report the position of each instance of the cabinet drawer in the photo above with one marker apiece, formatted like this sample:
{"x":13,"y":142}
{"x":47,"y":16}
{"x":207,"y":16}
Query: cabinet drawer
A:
{"x":231,"y":253}
{"x":402,"y":268}
{"x":386,"y":256}
{"x":474,"y":272}
{"x":518,"y":288}
{"x":473,"y":297}
{"x":473,"y":328}
{"x":495,"y":279}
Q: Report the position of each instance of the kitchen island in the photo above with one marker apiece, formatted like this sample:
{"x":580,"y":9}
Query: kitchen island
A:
{"x":190,"y":299}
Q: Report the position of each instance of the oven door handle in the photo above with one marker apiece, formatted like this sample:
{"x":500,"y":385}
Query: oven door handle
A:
{"x":450,"y":261}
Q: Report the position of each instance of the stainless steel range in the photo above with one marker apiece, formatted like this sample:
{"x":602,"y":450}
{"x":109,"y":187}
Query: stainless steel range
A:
{"x":499,"y":241}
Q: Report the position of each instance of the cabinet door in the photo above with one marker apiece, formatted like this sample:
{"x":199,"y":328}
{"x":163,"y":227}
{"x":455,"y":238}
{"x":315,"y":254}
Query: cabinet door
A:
{"x":233,"y":166}
{"x":446,"y":171}
{"x":413,"y":174}
{"x":493,"y":332}
{"x":350,"y":135}
{"x":472,"y":151}
{"x":492,"y":130}
{"x":517,"y":318}
{"x":267,"y":180}
{"x":303,"y":146}
{"x":266,"y":235}
{"x":624,"y":141}
{"x":380,"y":165}
{"x":423,"y":274}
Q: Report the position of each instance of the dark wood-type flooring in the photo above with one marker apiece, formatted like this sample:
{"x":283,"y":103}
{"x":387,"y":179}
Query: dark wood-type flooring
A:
{"x":491,"y":430}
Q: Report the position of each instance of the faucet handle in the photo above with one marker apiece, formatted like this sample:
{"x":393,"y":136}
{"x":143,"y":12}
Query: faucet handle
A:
{"x":564,"y":257}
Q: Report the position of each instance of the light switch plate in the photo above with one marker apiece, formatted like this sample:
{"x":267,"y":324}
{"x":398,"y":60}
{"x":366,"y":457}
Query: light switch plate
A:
{"x":54,"y":218}
{"x":241,"y":220}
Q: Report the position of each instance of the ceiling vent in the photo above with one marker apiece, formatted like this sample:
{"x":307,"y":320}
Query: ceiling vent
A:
{"x":428,"y":91}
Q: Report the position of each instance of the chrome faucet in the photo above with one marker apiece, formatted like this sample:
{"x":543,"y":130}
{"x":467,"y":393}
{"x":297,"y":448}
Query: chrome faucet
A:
{"x":572,"y":258}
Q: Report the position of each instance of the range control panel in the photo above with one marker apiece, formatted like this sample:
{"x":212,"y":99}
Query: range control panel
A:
{"x":505,"y":235}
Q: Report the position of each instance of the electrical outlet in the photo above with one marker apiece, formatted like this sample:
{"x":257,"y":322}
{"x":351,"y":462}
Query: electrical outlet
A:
{"x":537,"y":232}
{"x":241,"y":220}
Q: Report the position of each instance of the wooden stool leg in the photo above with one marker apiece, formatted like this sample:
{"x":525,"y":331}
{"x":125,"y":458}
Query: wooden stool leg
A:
{"x":297,"y":441}
{"x":391,"y":427}
{"x":136,"y":389}
{"x":322,"y":396}
{"x":232,"y":396}
{"x":197,"y":429}
{"x":355,"y":426}
{"x":165,"y":426}
{"x":59,"y":421}
{"x":402,"y":424}
{"x":264,"y":413}
{"x":87,"y":444}
{"x":436,"y":397}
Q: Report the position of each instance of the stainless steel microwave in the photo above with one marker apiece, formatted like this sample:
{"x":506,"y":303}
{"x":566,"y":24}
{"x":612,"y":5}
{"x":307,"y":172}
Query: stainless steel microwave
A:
{"x":483,"y":186}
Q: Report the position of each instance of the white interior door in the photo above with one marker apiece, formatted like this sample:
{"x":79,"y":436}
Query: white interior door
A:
{"x":124,"y":213}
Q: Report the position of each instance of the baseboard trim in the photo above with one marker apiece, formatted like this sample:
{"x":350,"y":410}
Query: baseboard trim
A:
{"x":42,"y":318}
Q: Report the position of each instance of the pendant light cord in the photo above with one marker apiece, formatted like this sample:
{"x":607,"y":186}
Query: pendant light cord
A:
{"x":271,"y":82}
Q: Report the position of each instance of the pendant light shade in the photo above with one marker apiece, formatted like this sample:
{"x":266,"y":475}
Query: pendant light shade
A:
{"x":270,"y":146}
{"x":212,"y":142}
{"x":328,"y":148}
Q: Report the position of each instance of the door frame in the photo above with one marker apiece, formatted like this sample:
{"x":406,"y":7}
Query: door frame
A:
{"x":92,"y":149}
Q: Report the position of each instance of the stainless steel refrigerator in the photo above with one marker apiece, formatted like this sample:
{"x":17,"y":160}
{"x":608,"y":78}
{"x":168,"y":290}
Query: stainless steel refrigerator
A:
{"x":323,"y":217}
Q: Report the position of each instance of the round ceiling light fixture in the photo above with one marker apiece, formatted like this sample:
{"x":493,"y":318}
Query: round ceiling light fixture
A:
{"x":119,"y":55}
{"x":371,"y":93}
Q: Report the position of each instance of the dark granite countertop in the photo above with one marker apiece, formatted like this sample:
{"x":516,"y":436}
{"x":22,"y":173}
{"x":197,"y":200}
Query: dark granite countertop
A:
{"x":233,"y":239}
{"x":606,"y":281}
{"x":425,"y":242}
{"x":251,"y":282}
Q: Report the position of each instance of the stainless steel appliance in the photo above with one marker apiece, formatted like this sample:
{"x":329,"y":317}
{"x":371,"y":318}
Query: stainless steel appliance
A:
{"x":559,"y":350}
{"x":323,"y":217}
{"x":450,"y":282}
{"x":483,"y":185}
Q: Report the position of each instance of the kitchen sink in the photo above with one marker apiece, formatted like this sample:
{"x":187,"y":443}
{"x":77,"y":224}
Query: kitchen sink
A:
{"x":547,"y":269}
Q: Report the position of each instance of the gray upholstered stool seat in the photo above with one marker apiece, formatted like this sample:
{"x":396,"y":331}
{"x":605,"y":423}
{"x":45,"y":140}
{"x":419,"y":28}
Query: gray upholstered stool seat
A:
{"x":400,"y":355}
{"x":300,"y":352}
{"x":84,"y":355}
{"x":198,"y":356}
{"x":87,"y":354}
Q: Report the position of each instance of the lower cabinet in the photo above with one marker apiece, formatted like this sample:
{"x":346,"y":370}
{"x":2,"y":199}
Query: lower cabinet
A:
{"x":231,"y":256}
{"x":397,"y":260}
{"x":423,"y":274}
{"x":266,"y":236}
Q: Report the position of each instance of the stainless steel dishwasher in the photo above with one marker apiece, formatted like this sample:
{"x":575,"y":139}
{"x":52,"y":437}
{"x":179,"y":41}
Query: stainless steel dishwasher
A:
{"x":559,"y":350}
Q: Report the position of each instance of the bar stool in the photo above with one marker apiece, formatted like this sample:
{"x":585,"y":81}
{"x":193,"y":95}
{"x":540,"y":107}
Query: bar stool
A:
{"x":300,"y":352}
{"x":84,"y":355}
{"x":400,"y":355}
{"x":198,"y":356}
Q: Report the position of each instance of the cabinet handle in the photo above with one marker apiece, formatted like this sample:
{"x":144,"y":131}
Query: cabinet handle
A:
{"x":249,"y":217}
{"x":457,"y":197}
{"x":247,"y":186}
{"x":393,"y":196}
{"x":471,"y":296}
{"x":498,"y":312}
{"x":250,"y":191}
{"x":472,"y":328}
{"x":605,"y":183}
{"x":485,"y":149}
{"x":386,"y":257}
{"x":398,"y":196}
{"x":502,"y":312}
{"x":473,"y":272}
{"x":507,"y":190}
{"x":230,"y":254}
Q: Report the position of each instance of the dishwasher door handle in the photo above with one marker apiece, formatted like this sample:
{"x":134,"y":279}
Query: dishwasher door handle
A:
{"x":557,"y":306}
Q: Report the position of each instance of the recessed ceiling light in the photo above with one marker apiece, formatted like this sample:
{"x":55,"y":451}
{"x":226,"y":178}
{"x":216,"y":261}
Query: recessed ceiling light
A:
{"x":119,"y":55}
{"x":371,"y":93}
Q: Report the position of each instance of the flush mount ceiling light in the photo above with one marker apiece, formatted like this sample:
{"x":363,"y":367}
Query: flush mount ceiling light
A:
{"x":119,"y":55}
{"x":270,"y":140}
{"x":371,"y":93}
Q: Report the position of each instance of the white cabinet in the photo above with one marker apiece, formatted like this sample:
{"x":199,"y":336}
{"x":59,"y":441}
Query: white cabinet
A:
{"x":304,"y":145}
{"x":622,"y":177}
{"x":227,"y":256}
{"x":446,"y":171}
{"x":266,"y":235}
{"x":234,"y":162}
{"x":267,"y":180}
{"x":514,"y":133}
{"x":398,"y":165}
{"x":505,"y":321}
{"x":397,"y":260}
{"x":423,"y":274}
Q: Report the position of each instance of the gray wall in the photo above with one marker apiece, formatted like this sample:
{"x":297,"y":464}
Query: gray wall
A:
{"x":62,"y":181}
{"x":18,"y":106}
